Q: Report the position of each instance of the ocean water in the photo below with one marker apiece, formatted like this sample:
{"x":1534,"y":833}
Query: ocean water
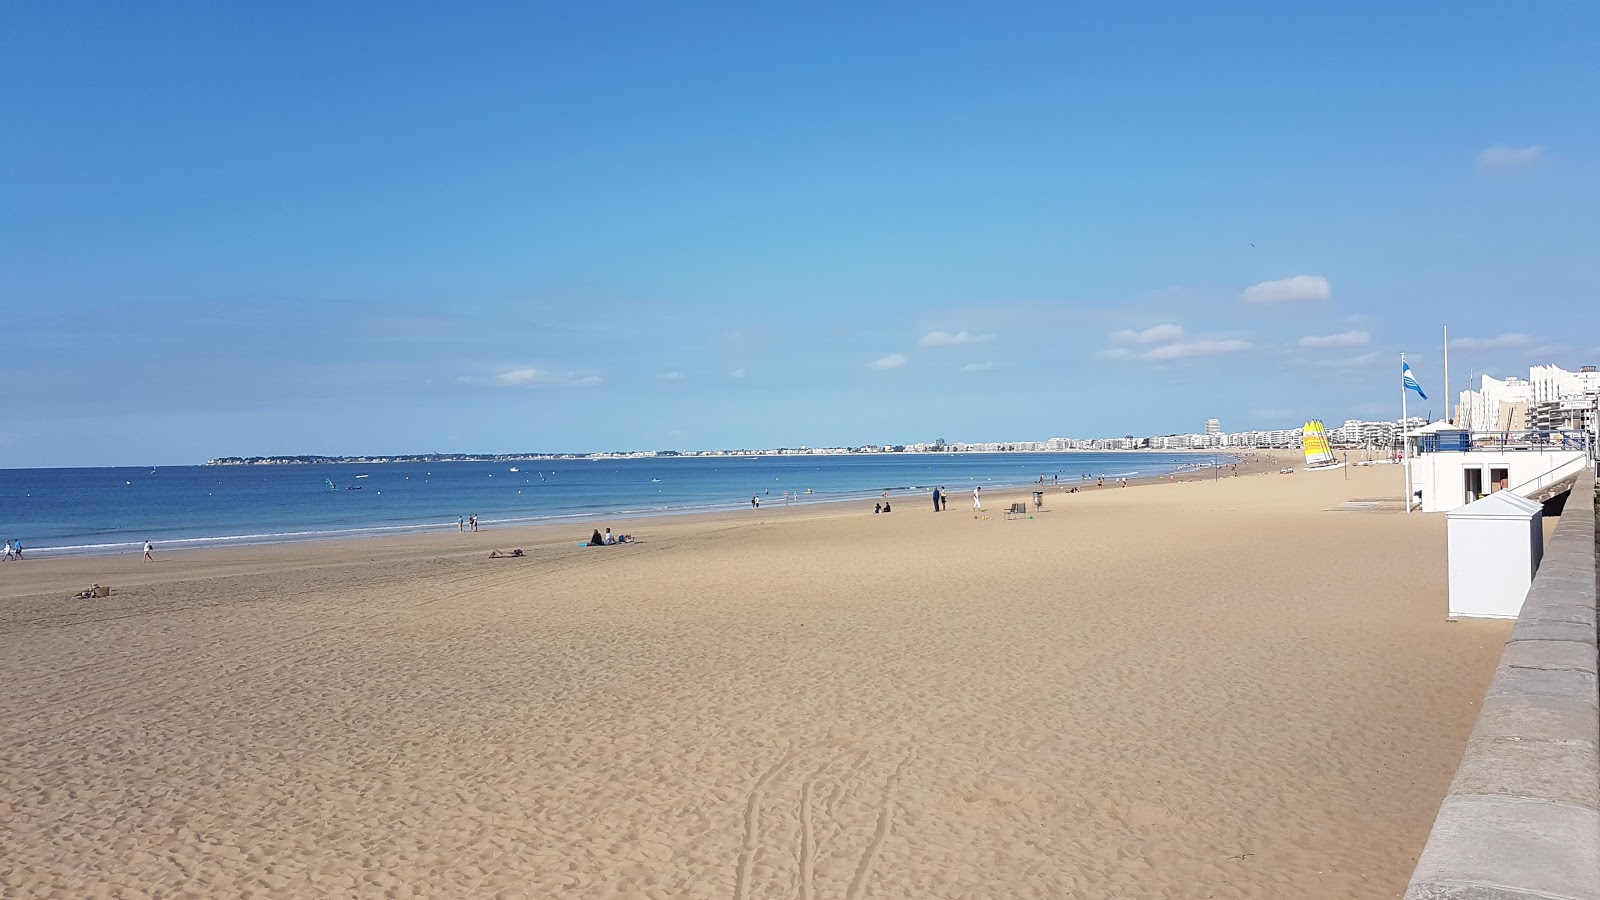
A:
{"x":110,"y":510}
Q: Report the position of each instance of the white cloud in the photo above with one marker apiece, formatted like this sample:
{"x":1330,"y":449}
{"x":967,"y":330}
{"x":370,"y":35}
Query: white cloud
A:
{"x":1500,"y":158}
{"x":541,"y":378}
{"x":1155,"y":334}
{"x":1498,"y":342}
{"x":980,"y":367}
{"x":892,"y":361}
{"x":1115,"y":353}
{"x":946,"y":339}
{"x":1353,"y":362}
{"x":672,"y":376}
{"x":1548,"y":350}
{"x":737,"y":373}
{"x":1187,"y":349}
{"x":1289,"y":290}
{"x":1342,"y":339}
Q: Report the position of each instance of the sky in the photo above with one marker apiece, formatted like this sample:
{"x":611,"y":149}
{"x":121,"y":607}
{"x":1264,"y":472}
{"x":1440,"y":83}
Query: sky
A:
{"x":350,"y":228}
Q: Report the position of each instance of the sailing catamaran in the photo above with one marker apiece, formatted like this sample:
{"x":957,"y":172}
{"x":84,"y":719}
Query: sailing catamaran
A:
{"x":1319,"y":453}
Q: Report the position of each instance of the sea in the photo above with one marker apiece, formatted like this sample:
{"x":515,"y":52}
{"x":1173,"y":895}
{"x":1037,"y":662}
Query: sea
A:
{"x":57,"y":512}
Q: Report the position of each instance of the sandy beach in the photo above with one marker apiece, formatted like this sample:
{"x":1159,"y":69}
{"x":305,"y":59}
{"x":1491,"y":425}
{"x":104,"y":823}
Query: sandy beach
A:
{"x":1242,"y":687}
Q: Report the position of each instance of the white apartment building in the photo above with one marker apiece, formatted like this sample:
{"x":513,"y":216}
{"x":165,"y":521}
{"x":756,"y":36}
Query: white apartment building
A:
{"x":1213,"y":426}
{"x":1550,"y":399}
{"x":1498,"y":405}
{"x":1552,"y":384}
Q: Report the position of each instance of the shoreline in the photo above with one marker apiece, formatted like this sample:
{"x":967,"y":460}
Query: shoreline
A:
{"x":382,"y":531}
{"x":540,"y":534}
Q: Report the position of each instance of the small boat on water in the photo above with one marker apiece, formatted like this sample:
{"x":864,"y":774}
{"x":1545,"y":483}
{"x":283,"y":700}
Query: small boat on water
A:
{"x":361,"y":476}
{"x":515,"y":469}
{"x":353,"y":487}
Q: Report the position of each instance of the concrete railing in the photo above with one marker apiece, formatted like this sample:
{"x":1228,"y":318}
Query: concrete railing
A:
{"x":1522,"y":819}
{"x":1546,"y":485}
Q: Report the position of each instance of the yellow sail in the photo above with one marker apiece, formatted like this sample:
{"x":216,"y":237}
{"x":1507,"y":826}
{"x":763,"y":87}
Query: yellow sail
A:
{"x":1315,"y":440}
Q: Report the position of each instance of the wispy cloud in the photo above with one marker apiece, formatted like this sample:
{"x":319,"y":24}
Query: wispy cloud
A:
{"x":672,"y":376}
{"x":892,"y":361}
{"x":1189,"y":349}
{"x":1352,"y":362}
{"x":738,"y":373}
{"x":1155,"y":334}
{"x":1342,"y":339}
{"x":1548,"y":350}
{"x":541,"y":378}
{"x":1115,"y":353}
{"x":1498,"y":342}
{"x":980,"y":367}
{"x":1500,"y":158}
{"x":1299,"y":289}
{"x":946,"y":339}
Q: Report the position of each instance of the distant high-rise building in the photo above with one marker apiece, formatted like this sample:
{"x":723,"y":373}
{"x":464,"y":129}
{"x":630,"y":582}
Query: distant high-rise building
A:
{"x":1213,"y":426}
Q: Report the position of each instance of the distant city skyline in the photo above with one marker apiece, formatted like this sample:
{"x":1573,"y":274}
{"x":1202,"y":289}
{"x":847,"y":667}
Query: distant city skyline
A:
{"x":236,"y":229}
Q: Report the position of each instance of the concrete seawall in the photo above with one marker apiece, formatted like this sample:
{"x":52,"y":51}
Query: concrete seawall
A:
{"x":1522,"y":818}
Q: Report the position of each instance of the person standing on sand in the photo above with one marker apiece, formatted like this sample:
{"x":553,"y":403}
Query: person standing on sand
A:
{"x":147,"y":549}
{"x":944,"y":498}
{"x":755,"y":501}
{"x":935,"y":499}
{"x":977,"y":498}
{"x":7,"y":557}
{"x":16,"y":547}
{"x":461,"y":524}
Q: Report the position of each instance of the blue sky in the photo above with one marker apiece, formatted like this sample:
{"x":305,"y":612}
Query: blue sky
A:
{"x":353,"y":228}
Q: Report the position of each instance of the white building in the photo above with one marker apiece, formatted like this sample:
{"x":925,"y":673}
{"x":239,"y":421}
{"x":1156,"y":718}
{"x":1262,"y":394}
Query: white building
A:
{"x":1452,"y":467}
{"x":1552,"y":384}
{"x":1213,"y":426}
{"x":1551,"y":399}
{"x":1361,"y":433}
{"x":1498,"y":405}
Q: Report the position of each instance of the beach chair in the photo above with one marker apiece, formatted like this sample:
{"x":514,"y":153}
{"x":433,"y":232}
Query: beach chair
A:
{"x":1017,"y":509}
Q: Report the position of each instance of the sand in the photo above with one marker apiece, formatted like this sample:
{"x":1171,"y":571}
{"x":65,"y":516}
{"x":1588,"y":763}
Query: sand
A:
{"x":1243,"y":688}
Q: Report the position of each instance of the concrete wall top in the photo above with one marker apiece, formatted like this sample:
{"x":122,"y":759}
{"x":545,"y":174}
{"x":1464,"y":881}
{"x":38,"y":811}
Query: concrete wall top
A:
{"x":1522,"y":818}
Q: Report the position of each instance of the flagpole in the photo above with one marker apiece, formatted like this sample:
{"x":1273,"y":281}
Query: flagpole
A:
{"x":1449,"y":413}
{"x":1405,"y":446}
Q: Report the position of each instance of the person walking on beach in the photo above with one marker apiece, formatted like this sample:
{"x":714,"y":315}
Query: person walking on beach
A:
{"x":944,"y":498}
{"x":977,"y":498}
{"x":461,"y":524}
{"x":147,"y":549}
{"x":755,"y":501}
{"x":7,"y":557}
{"x":16,"y":547}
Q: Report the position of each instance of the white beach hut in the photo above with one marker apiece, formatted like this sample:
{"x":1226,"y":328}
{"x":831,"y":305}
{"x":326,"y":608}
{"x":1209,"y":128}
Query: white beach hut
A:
{"x":1495,"y":545}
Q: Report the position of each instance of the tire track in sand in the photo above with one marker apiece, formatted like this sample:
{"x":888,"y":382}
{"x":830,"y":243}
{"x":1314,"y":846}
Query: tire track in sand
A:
{"x":858,"y":885}
{"x":752,"y":825}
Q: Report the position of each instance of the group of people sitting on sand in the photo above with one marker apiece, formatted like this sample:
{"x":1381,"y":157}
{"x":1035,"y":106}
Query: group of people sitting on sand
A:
{"x":605,"y":540}
{"x":91,"y":592}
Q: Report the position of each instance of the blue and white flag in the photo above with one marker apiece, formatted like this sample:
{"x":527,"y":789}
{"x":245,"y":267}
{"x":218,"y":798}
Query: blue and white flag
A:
{"x":1410,"y":380}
